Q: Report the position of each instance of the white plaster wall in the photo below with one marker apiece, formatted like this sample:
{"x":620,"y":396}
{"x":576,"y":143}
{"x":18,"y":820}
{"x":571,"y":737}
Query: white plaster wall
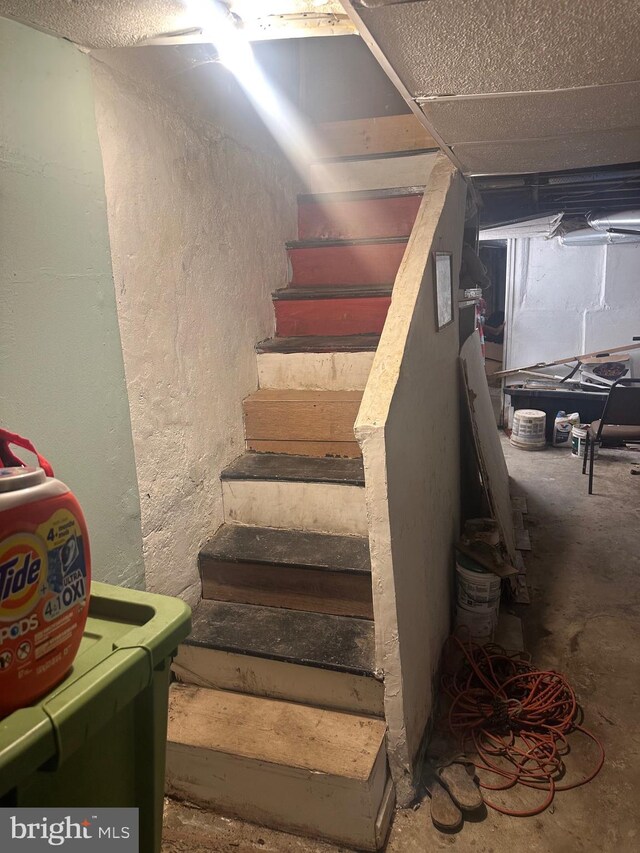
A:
{"x":198,"y":219}
{"x":408,"y":427}
{"x":571,"y":299}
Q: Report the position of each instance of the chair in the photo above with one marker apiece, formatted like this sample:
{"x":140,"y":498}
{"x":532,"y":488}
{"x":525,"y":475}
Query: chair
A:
{"x":620,"y":421}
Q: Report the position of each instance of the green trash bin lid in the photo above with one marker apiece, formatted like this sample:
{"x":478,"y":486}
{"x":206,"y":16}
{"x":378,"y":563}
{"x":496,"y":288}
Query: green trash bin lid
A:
{"x":128,"y":634}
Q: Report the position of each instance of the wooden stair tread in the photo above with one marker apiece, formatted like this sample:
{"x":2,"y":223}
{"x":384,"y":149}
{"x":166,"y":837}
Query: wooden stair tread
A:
{"x":320,"y":343}
{"x":277,"y":732}
{"x":330,"y":291}
{"x":236,"y":543}
{"x":359,"y":195}
{"x":339,"y":643}
{"x":286,"y":395}
{"x":375,"y":156}
{"x":306,"y":469}
{"x":339,"y":243}
{"x":321,"y":449}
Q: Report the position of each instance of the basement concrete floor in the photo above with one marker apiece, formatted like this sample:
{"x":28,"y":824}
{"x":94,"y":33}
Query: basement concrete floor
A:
{"x":584,"y":620}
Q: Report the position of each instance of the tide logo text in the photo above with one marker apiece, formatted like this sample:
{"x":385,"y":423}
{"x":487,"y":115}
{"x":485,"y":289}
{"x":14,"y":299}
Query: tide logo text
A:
{"x":23,"y":564}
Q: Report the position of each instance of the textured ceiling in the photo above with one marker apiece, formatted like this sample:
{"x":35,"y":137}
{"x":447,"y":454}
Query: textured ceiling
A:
{"x":123,"y":23}
{"x":517,"y":85}
{"x":100,"y":23}
{"x":508,"y":86}
{"x":449,"y":46}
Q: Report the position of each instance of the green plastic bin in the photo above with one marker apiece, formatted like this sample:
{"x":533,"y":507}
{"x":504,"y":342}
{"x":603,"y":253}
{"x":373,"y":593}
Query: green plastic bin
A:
{"x":99,"y":738}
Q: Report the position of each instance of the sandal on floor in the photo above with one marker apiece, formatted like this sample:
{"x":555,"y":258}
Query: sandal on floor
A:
{"x":445,"y":814}
{"x":463,"y":790}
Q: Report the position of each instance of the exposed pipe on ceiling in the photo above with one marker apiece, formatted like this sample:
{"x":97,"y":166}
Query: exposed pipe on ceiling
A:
{"x":589,"y":237}
{"x":626,"y":219}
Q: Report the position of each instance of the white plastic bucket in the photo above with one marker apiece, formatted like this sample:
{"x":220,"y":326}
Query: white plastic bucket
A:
{"x":562,"y":432}
{"x":477,"y":590}
{"x":579,"y":441}
{"x":478,"y":625}
{"x":527,"y":431}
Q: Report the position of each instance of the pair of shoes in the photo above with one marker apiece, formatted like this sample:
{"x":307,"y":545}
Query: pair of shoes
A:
{"x":461,"y":786}
{"x":452,"y":791}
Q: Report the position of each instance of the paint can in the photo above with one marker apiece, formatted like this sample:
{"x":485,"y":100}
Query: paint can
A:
{"x":579,"y":441}
{"x":527,"y":431}
{"x":476,"y":625}
{"x":477,"y":590}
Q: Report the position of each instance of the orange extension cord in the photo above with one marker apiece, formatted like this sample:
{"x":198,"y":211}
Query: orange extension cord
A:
{"x":518,"y":715}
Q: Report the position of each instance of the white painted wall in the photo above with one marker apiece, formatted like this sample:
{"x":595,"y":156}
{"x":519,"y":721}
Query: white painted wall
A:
{"x":62,"y":380}
{"x":198,"y":216}
{"x":408,"y":427}
{"x":566,"y":300}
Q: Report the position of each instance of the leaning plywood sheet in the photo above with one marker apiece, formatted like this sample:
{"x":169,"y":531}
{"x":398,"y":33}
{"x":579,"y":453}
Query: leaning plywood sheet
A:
{"x":493,"y":467}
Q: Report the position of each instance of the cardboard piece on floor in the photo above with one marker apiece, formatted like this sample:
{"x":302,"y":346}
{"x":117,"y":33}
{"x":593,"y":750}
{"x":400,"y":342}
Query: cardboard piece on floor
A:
{"x":519,"y":502}
{"x":518,"y":519}
{"x":523,"y":542}
{"x":491,"y":461}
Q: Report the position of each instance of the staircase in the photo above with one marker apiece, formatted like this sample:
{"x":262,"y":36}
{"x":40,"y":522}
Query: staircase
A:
{"x":277,"y":716}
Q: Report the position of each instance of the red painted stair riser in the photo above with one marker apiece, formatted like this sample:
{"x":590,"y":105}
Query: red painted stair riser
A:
{"x":376,"y":263}
{"x":376,"y":217}
{"x":358,"y":316}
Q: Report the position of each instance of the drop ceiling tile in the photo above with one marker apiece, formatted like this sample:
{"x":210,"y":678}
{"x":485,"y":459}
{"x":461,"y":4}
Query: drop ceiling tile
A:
{"x":573,"y":151}
{"x":446,"y":47}
{"x":535,"y":115}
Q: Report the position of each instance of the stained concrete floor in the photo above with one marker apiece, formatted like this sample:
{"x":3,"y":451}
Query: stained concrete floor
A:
{"x":584,"y":620}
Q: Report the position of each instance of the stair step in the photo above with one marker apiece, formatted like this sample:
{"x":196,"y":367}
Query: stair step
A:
{"x":281,"y":733}
{"x":292,"y":767}
{"x":324,"y":343}
{"x":316,"y":658}
{"x":328,"y":292}
{"x":379,"y":135}
{"x":296,"y":548}
{"x":282,"y":467}
{"x":346,"y":243}
{"x":358,"y":195}
{"x":343,"y":316}
{"x":338,"y":643}
{"x":295,"y":569}
{"x":345,"y":262}
{"x":353,"y":216}
{"x":315,"y":371}
{"x":371,"y":173}
{"x":298,"y":492}
{"x":308,"y":423}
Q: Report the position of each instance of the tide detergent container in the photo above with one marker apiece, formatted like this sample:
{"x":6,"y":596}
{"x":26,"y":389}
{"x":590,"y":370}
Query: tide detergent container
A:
{"x":45,"y":576}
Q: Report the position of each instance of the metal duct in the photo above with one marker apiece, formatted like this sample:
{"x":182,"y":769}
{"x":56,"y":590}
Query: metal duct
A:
{"x":589,"y":237}
{"x":629,"y":219}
